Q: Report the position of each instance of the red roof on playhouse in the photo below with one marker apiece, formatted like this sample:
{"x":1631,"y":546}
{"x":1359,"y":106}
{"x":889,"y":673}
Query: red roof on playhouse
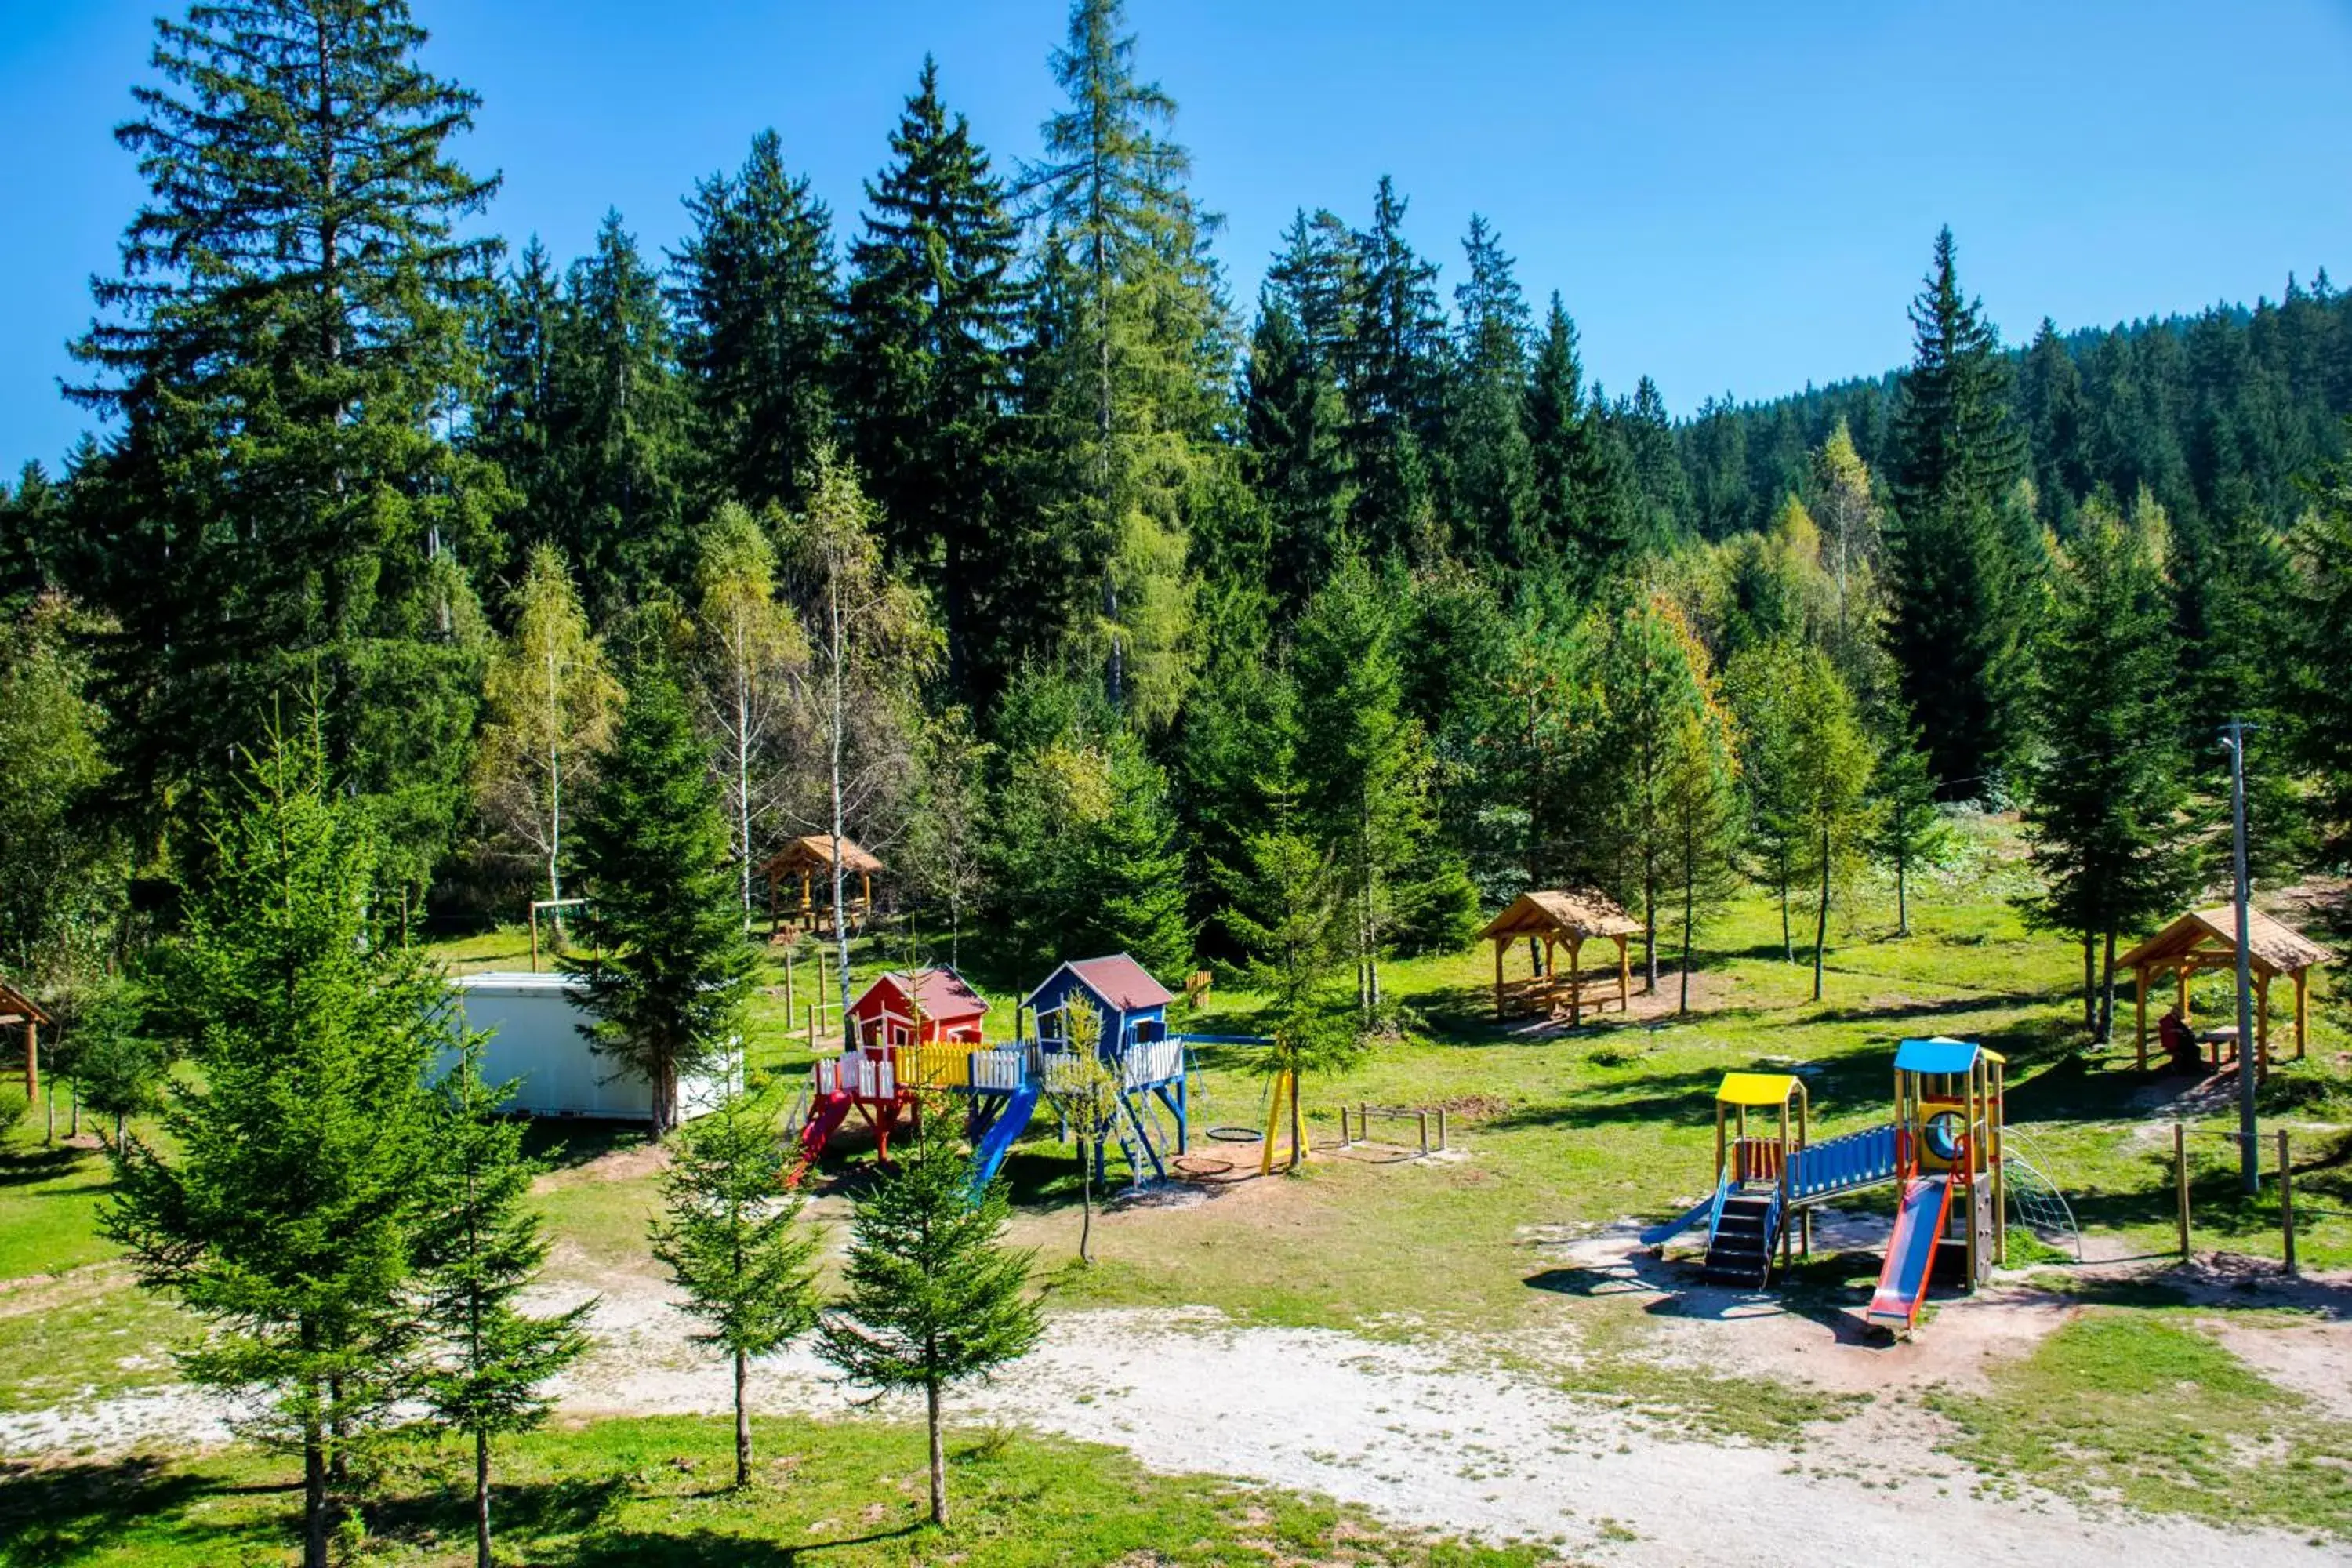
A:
{"x":950,"y":1007}
{"x":1117,"y":980}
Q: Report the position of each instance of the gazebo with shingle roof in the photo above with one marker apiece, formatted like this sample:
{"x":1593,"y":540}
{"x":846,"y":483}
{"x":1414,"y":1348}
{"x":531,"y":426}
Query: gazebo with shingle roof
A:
{"x":2208,"y":939}
{"x":1568,"y":918}
{"x":20,"y":1011}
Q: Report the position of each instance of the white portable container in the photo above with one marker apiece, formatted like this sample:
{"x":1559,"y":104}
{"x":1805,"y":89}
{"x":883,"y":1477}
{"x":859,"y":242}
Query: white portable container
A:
{"x":534,"y":1022}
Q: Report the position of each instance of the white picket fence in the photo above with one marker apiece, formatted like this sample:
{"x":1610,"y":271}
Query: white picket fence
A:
{"x":1153,"y":1061}
{"x":860,"y":1074}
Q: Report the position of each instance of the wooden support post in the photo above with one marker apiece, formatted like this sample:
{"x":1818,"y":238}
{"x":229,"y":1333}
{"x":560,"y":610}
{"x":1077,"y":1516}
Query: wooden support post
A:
{"x":32,"y":1062}
{"x":2301,"y":1008}
{"x":2180,"y":1002}
{"x":1424,"y":1132}
{"x":1442,"y":1143}
{"x":2286,"y":1203}
{"x":534,"y":939}
{"x":1500,"y":943}
{"x":1575,"y":981}
{"x":2263,"y":1022}
{"x":789,"y":1008}
{"x":1363,"y":1123}
{"x":2180,"y":1180}
{"x":2141,"y":975}
{"x":1624,"y":978}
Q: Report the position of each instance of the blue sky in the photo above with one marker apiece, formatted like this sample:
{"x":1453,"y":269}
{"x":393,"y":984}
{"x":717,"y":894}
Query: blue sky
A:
{"x":1730,"y":197}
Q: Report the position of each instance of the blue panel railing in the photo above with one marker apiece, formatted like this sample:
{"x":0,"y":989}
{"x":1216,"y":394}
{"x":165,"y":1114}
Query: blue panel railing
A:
{"x":1843,"y":1164}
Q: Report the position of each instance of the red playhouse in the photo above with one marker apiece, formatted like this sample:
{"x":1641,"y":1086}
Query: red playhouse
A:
{"x":908,"y":1031}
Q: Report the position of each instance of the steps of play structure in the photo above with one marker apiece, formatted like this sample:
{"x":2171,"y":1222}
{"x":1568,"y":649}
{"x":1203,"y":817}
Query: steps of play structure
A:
{"x":1843,"y":1164}
{"x":1739,"y":1250}
{"x":825,"y":1117}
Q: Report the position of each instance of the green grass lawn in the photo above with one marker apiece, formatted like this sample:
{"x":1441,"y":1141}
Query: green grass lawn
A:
{"x":648,"y":1492}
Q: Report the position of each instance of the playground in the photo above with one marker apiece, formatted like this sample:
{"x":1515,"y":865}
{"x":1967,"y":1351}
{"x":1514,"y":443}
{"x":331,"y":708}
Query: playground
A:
{"x":1477,"y":1338}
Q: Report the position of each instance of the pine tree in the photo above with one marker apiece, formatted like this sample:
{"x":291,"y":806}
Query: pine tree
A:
{"x":549,"y":703}
{"x":1142,"y":333}
{"x":757,"y":311}
{"x":933,"y":308}
{"x":934,"y":1298}
{"x":1491,"y":458}
{"x":280,"y":1204}
{"x":479,"y":1247}
{"x":668,"y":988}
{"x":2322,"y":548}
{"x":1957,"y":605}
{"x":1663,"y":505}
{"x":279,"y":514}
{"x":1393,"y":372}
{"x":620,"y":457}
{"x":1584,"y":500}
{"x":2106,"y":798}
{"x":1910,"y":832}
{"x":1296,"y":421}
{"x":735,"y":1244}
{"x":1366,"y":764}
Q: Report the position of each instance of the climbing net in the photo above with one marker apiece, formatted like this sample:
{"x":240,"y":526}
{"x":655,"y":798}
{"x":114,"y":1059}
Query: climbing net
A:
{"x":2034,"y":1198}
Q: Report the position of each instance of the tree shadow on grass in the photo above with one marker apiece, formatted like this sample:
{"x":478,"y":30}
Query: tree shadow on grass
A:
{"x":25,"y":1168}
{"x":563,"y":1143}
{"x":714,"y":1549}
{"x":1821,"y":1291}
{"x":62,"y":1513}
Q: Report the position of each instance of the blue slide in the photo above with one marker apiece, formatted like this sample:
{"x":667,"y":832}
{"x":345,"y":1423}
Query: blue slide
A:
{"x":997,"y":1142}
{"x":1918,"y":1225}
{"x":1657,"y":1235}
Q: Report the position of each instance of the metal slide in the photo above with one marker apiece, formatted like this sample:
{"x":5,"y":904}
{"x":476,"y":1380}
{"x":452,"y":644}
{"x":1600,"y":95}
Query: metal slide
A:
{"x":1911,"y":1254}
{"x":997,"y":1142}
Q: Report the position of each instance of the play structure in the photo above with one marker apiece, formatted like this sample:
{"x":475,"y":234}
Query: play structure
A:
{"x":1944,"y":1153}
{"x":921,"y":1032}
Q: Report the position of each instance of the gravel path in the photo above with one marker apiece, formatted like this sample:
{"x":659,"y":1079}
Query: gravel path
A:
{"x":1407,"y":1430}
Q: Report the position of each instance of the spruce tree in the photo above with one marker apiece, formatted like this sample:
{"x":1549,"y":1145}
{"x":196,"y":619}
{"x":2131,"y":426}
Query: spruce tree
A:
{"x":620,"y":457}
{"x":1662,"y":505}
{"x":757,"y":313}
{"x":1490,"y":457}
{"x":1956,"y":617}
{"x":281,"y":1201}
{"x":1586,"y":512}
{"x":479,"y":1247}
{"x":1394,"y":371}
{"x":2106,"y":795}
{"x":935,"y":1298}
{"x":1136,"y":866}
{"x":927,"y":373}
{"x":278,"y":515}
{"x":1909,"y":831}
{"x":1137,"y":344}
{"x":2322,"y":684}
{"x":734,"y":1243}
{"x":667,"y":986}
{"x":1296,"y":422}
{"x":1702,"y":813}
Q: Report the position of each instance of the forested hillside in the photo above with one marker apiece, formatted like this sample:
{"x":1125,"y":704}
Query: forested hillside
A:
{"x":983,"y":525}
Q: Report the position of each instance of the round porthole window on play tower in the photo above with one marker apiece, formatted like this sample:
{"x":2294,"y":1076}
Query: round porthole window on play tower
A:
{"x":1943,"y":1133}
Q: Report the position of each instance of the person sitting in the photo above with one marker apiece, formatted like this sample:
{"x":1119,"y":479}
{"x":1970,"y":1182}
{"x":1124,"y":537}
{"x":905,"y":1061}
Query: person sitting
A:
{"x":2180,"y":1042}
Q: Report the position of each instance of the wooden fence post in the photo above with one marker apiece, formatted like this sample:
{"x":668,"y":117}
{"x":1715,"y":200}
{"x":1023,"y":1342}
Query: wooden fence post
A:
{"x":1442,"y":1144}
{"x":2181,"y":1178}
{"x":1424,"y":1132}
{"x":2286,"y":1203}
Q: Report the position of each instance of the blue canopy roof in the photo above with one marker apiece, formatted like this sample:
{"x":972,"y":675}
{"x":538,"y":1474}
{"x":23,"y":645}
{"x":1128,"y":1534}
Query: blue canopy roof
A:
{"x":1938,"y":1056}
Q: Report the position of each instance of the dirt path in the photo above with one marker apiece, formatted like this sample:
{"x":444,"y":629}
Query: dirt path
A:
{"x":1426,"y":1435}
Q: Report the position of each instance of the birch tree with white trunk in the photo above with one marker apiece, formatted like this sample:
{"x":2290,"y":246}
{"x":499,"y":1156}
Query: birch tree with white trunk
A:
{"x":550,"y":701}
{"x":870,"y":644}
{"x":752,"y":661}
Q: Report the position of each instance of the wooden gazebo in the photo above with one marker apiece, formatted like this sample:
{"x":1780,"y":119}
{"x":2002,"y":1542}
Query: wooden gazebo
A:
{"x":1561,"y":918}
{"x":20,"y":1011}
{"x":2208,"y":939}
{"x":810,"y":855}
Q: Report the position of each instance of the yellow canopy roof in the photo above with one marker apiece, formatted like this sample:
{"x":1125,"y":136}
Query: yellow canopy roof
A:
{"x":1754,"y":1088}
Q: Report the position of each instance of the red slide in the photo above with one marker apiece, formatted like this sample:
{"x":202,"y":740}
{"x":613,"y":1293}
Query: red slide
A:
{"x":824,"y":1117}
{"x":1911,"y":1254}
